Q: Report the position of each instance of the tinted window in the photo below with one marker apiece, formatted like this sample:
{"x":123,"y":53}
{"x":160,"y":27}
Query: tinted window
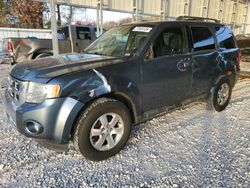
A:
{"x":83,"y":33}
{"x":225,"y":37}
{"x":170,"y":41}
{"x":202,"y":38}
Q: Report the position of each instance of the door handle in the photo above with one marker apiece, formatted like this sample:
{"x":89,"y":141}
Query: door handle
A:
{"x":183,"y":65}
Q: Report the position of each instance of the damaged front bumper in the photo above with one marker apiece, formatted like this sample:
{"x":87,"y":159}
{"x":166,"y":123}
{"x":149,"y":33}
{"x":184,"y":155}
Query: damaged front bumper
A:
{"x":50,"y":122}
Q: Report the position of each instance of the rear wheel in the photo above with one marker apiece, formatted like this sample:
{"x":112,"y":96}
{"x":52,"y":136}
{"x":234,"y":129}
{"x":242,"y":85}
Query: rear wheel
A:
{"x":102,"y":130}
{"x":221,"y":94}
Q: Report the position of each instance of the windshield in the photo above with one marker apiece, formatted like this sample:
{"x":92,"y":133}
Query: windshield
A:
{"x":120,"y":41}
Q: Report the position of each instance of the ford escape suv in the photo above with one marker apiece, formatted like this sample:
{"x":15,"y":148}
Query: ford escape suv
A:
{"x":130,"y":74}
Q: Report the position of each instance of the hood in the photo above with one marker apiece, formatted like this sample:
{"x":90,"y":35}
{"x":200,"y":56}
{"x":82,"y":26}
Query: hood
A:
{"x":44,"y":69}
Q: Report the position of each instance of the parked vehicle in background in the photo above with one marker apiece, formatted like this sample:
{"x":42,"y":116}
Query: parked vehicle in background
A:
{"x":71,"y":38}
{"x":5,"y":58}
{"x":243,"y":42}
{"x":128,"y":75}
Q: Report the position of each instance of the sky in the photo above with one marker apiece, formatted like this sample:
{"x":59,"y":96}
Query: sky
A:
{"x":107,"y":15}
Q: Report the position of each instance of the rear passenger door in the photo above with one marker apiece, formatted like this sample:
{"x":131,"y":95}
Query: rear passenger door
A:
{"x":204,"y":59}
{"x":166,"y":69}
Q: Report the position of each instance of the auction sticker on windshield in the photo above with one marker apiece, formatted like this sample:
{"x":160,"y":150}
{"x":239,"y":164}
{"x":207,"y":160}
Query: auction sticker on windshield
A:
{"x":143,"y":29}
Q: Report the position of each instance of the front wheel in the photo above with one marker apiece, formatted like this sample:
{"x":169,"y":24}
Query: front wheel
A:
{"x":221,"y":94}
{"x":102,"y":130}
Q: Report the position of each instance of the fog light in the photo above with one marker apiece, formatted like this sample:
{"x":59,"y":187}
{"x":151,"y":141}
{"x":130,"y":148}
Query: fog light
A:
{"x":33,"y":127}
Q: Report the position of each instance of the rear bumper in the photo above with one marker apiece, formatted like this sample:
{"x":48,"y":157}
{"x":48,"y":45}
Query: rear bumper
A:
{"x":54,"y":116}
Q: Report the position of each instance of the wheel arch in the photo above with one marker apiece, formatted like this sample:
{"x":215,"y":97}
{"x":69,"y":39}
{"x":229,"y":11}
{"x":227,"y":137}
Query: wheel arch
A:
{"x":40,"y":51}
{"x":127,"y":101}
{"x":230,"y":74}
{"x":225,"y":68}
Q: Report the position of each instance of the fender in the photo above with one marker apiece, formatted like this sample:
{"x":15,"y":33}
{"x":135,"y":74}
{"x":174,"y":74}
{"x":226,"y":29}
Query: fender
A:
{"x":225,"y":67}
{"x":95,"y":85}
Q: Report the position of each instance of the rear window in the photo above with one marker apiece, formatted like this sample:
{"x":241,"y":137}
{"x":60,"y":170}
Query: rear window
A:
{"x":202,"y":38}
{"x":83,"y":33}
{"x":225,"y":38}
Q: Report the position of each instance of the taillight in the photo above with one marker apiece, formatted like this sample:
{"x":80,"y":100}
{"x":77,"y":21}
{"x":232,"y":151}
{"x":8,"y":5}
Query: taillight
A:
{"x":10,"y":47}
{"x":239,"y":57}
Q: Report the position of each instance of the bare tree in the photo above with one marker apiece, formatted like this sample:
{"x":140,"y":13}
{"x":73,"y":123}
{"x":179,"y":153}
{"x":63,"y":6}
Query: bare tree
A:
{"x":59,"y":20}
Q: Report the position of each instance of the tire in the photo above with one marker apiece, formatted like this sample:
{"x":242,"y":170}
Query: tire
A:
{"x":43,"y":55}
{"x":94,"y":135}
{"x":220,"y":94}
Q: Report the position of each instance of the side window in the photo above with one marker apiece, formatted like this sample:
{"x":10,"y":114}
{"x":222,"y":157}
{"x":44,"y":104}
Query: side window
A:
{"x":63,"y":33}
{"x":225,"y":37}
{"x":173,"y":40}
{"x":135,"y":41}
{"x":202,"y":39}
{"x":83,"y":33}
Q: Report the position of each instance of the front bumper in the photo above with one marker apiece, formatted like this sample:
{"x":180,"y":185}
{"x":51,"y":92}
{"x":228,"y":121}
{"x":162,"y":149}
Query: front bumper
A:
{"x":56,"y":116}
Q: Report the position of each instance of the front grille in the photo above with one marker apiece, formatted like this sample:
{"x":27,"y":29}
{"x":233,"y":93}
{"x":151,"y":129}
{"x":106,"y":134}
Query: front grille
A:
{"x":16,"y":90}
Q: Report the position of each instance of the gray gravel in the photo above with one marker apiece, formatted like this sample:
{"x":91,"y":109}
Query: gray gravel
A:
{"x":191,"y":147}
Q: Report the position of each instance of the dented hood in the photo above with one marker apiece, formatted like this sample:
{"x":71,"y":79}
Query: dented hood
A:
{"x":44,"y":69}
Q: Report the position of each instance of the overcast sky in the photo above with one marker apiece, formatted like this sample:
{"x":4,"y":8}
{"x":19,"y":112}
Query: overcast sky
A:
{"x":107,"y":15}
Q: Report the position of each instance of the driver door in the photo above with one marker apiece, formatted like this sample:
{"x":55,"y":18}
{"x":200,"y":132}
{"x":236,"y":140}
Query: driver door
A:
{"x":167,"y":69}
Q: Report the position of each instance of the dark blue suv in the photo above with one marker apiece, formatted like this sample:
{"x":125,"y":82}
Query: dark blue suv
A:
{"x":130,"y":74}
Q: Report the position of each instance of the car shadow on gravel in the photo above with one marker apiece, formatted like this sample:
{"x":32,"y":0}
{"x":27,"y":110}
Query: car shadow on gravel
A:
{"x":214,"y":152}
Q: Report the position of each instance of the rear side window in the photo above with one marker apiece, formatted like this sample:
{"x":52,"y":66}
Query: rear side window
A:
{"x":202,"y":38}
{"x":225,"y":38}
{"x":83,"y":33}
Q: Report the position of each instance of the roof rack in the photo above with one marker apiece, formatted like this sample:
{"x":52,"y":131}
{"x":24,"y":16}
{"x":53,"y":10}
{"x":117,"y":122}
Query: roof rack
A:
{"x":193,"y":18}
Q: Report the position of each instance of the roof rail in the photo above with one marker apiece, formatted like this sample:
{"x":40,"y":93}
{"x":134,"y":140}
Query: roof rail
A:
{"x":193,"y":18}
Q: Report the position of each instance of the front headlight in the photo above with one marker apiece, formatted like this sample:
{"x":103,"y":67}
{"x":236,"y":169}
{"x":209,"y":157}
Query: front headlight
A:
{"x":37,"y":93}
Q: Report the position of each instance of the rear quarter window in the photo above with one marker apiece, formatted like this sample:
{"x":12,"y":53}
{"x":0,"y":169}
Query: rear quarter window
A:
{"x":202,"y":39}
{"x":225,"y":38}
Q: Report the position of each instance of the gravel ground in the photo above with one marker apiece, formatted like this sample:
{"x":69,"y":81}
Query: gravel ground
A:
{"x":191,"y":147}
